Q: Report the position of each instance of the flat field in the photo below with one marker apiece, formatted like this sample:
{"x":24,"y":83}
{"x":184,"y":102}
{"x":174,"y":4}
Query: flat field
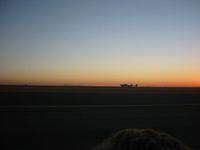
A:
{"x":77,"y":118}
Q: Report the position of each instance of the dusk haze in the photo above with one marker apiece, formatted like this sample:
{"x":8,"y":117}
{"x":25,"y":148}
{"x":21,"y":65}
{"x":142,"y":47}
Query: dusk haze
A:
{"x":100,"y":74}
{"x":100,"y":42}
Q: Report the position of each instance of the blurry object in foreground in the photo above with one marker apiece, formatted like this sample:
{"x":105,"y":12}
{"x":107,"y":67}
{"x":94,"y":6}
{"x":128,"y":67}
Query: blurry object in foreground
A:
{"x":141,"y":139}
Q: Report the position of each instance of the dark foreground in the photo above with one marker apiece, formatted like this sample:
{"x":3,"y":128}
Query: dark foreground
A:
{"x":77,"y":118}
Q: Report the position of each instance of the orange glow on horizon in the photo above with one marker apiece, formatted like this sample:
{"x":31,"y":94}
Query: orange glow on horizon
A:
{"x":98,"y":82}
{"x":185,"y":78}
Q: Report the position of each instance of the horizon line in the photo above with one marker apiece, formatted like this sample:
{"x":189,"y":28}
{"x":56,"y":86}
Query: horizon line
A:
{"x":113,"y":86}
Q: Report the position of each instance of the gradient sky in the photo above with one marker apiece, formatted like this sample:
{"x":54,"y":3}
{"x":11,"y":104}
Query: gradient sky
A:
{"x":100,"y":42}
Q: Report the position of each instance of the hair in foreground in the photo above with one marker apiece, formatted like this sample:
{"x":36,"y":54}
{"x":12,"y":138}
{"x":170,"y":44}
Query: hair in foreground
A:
{"x":141,"y":139}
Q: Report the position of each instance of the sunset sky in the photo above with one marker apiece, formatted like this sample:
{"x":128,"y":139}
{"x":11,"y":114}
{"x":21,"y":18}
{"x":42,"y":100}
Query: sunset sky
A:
{"x":100,"y":42}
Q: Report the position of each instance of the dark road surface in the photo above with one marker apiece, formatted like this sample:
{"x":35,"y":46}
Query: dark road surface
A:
{"x":38,"y":120}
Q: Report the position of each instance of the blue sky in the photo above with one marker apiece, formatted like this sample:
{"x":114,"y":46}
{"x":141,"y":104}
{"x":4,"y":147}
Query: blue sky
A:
{"x":100,"y":41}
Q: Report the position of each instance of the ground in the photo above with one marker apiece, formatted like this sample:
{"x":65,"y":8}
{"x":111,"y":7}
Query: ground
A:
{"x":78,"y":118}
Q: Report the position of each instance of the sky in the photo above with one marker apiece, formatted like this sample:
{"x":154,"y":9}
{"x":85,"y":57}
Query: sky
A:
{"x":100,"y":42}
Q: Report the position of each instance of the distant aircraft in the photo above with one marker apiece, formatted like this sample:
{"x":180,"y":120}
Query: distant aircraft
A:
{"x":128,"y":85}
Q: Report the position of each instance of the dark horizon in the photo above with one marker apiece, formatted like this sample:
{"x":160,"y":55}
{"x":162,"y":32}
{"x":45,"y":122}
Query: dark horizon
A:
{"x":117,"y":86}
